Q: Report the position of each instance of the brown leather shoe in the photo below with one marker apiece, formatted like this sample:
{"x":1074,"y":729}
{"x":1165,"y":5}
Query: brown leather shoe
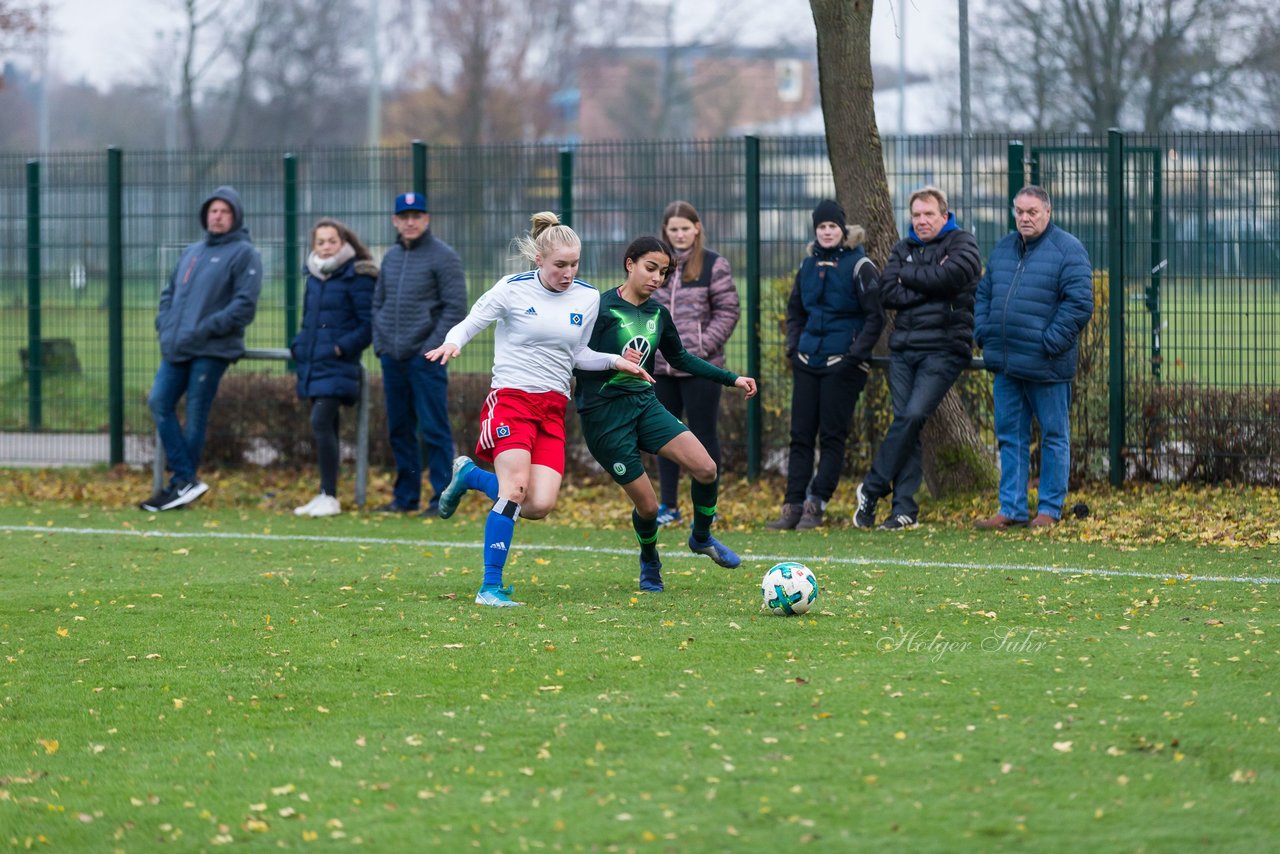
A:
{"x":997,"y":522}
{"x":1043,"y":520}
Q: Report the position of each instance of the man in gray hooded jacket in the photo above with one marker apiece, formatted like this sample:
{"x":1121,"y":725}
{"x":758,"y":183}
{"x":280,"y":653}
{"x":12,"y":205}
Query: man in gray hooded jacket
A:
{"x":208,"y":301}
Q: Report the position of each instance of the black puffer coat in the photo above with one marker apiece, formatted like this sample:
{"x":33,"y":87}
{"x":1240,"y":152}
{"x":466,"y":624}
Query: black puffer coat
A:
{"x":932,"y":285}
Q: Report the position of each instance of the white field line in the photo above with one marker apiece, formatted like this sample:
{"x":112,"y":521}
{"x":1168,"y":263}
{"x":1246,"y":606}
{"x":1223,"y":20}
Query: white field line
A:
{"x":667,"y":555}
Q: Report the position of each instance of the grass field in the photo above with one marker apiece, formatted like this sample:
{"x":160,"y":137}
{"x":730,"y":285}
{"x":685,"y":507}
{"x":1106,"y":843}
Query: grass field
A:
{"x":233,"y":675}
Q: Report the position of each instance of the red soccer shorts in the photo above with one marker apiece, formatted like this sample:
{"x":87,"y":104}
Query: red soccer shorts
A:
{"x":511,"y":418}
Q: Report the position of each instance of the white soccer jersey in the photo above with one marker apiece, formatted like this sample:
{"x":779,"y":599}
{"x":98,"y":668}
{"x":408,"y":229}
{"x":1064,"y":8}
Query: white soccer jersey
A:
{"x":541,"y":334}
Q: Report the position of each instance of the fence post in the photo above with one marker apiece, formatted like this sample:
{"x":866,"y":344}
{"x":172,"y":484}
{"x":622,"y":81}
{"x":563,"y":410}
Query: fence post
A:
{"x":1117,"y":212}
{"x":754,"y":406}
{"x":292,"y":271}
{"x":1157,"y":261}
{"x":35,"y":351}
{"x":115,"y":302}
{"x":1017,"y":179}
{"x":420,"y":168}
{"x":566,"y":186}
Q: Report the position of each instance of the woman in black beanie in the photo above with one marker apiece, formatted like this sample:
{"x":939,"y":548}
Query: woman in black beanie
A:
{"x":834,"y":319}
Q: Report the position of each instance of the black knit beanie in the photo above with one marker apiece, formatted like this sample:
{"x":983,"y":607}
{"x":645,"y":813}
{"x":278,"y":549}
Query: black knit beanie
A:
{"x":829,"y":210}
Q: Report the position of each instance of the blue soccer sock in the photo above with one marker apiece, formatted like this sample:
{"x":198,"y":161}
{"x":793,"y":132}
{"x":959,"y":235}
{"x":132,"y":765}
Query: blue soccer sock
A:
{"x":498,"y":530}
{"x":646,"y":535}
{"x":483,"y":481}
{"x":705,"y":496}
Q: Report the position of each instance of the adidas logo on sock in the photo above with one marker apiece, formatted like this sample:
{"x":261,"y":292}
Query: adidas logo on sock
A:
{"x":499,"y":546}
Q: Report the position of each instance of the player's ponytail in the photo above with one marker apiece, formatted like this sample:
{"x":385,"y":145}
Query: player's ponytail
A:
{"x":545,"y":237}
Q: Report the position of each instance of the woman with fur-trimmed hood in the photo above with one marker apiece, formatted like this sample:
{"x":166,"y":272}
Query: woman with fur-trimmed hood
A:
{"x":337,"y":327}
{"x":834,"y":319}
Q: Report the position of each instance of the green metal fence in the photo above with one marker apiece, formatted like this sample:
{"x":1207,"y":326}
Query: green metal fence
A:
{"x":1179,"y":227}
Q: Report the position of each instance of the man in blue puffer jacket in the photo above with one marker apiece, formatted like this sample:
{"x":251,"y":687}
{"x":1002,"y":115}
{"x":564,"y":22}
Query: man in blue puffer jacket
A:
{"x":1032,"y":304}
{"x":204,"y":309}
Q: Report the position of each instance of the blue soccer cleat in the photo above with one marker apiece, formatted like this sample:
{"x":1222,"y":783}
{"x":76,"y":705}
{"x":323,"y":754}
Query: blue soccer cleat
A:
{"x":714,"y":549}
{"x":651,"y":575}
{"x":496,"y":597}
{"x":667,"y":515}
{"x":457,"y":487}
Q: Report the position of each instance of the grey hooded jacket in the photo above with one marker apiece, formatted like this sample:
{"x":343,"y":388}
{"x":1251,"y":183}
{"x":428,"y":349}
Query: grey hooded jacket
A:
{"x":213,"y":292}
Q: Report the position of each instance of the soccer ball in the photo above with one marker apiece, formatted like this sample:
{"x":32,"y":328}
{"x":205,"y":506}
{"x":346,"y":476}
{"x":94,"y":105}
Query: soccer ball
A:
{"x":789,"y":588}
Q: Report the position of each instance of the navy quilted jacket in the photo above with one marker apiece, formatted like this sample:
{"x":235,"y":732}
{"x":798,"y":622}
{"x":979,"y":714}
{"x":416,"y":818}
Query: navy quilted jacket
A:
{"x":1032,"y":304}
{"x":336,"y":312}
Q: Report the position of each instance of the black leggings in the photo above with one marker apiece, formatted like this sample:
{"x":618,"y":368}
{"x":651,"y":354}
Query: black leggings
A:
{"x":324,"y":424}
{"x":696,"y":400}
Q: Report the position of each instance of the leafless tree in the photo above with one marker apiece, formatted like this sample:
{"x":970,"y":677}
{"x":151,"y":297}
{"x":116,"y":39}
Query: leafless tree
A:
{"x":310,"y":75}
{"x":1091,"y":65}
{"x":857,"y":164}
{"x":217,"y":44}
{"x":18,"y":21}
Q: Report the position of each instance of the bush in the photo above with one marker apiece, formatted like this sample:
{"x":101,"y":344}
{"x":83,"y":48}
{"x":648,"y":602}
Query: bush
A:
{"x":1209,"y":435}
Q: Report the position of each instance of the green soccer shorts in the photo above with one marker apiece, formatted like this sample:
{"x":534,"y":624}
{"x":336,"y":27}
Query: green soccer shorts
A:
{"x":619,"y":430}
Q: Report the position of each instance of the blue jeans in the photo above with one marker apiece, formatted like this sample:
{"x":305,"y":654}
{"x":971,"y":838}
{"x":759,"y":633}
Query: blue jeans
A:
{"x":183,"y":443}
{"x":918,"y":380}
{"x":417,"y":393}
{"x":1016,"y":401}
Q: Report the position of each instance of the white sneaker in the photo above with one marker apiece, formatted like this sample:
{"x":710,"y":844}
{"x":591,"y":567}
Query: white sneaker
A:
{"x":325,"y":505}
{"x":305,"y":509}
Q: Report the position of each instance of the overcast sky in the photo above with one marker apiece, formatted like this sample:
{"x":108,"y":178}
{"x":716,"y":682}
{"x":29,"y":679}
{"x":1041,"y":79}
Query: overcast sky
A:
{"x":110,"y":41}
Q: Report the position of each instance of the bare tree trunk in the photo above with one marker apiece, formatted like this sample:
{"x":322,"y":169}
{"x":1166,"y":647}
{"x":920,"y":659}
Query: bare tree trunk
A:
{"x":853,"y":140}
{"x":954,"y":457}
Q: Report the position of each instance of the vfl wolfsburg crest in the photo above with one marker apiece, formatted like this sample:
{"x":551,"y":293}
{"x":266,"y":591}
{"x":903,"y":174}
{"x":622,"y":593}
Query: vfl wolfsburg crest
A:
{"x":638,"y":343}
{"x":619,"y":469}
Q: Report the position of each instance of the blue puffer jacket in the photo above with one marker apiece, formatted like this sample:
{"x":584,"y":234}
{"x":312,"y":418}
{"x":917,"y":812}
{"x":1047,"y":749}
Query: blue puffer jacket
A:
{"x":336,"y":312}
{"x":834,"y":308}
{"x":1032,"y":303}
{"x":213,"y":292}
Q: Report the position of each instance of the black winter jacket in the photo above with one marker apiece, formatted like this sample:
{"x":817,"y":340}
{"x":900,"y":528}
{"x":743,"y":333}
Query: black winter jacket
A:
{"x":932,"y":285}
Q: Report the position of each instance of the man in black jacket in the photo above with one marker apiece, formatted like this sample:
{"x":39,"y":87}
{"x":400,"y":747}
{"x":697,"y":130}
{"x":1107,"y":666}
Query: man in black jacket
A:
{"x":931,"y":278}
{"x":420,"y":295}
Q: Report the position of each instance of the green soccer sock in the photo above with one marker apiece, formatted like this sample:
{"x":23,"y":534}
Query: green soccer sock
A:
{"x":704,"y":497}
{"x":646,"y":535}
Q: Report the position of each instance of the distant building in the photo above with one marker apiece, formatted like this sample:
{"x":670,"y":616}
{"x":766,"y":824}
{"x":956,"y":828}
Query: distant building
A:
{"x":686,"y":92}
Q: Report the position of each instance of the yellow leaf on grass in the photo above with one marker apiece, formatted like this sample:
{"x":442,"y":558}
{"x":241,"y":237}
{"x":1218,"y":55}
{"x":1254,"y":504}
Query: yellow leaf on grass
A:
{"x":1062,"y":746}
{"x":50,"y":745}
{"x":62,"y":633}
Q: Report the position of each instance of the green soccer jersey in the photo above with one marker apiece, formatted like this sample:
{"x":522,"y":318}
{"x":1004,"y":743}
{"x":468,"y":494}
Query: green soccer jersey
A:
{"x":647,"y":327}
